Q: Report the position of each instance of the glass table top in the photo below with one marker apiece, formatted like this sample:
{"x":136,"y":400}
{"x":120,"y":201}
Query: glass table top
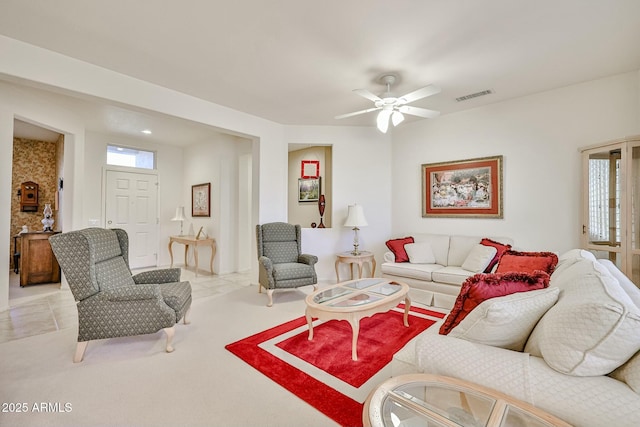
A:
{"x":462,"y":407}
{"x":424,"y":400}
{"x":357,"y":292}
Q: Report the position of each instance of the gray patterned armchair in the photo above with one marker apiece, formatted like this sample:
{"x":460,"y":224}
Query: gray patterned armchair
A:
{"x":111,"y":301}
{"x":281,"y":263}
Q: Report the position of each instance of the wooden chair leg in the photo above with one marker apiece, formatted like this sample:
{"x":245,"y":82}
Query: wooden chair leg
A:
{"x":170,"y":333}
{"x":270,"y":295}
{"x":259,"y":288}
{"x":80,"y":349}
{"x":185,"y":319}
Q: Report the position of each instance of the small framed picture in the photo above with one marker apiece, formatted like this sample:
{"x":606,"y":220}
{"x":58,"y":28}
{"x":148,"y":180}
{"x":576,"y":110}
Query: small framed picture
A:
{"x":310,"y":169}
{"x":308,"y":189}
{"x":201,"y":200}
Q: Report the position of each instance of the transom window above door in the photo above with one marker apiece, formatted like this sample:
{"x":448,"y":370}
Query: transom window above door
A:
{"x":131,"y":157}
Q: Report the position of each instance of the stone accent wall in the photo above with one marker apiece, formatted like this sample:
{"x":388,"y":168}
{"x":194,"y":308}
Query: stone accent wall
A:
{"x":33,"y":161}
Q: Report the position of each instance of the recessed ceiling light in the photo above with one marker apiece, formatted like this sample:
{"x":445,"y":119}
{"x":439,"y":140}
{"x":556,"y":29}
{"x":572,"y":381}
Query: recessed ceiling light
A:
{"x":146,"y":132}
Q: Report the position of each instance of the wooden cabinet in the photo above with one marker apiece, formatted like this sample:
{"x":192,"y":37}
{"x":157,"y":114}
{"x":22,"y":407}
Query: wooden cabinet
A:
{"x":37,"y":262}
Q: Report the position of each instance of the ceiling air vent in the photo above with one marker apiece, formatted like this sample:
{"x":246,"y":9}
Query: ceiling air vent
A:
{"x":474,"y":95}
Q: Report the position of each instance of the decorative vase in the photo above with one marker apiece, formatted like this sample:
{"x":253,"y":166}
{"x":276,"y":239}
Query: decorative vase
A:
{"x":47,"y":222}
{"x":321,"y":204}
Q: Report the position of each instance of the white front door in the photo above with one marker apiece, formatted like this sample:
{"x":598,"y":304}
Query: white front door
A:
{"x":132,"y":204}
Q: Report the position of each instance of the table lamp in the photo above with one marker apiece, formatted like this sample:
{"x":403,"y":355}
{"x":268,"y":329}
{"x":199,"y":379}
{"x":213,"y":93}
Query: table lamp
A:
{"x":179,"y":217}
{"x":355,"y":219}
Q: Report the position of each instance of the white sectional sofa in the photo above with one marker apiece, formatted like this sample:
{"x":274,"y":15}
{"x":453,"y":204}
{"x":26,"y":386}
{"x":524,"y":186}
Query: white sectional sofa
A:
{"x":437,"y":283}
{"x":580,"y":361}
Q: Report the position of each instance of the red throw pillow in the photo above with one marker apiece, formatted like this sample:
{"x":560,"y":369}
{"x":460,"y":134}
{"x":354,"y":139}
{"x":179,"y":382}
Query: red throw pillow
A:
{"x":527,"y":262}
{"x":500,"y":249}
{"x":397,"y":247}
{"x":482,"y":286}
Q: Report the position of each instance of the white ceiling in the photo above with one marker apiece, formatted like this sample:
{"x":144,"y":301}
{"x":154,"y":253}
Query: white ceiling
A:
{"x":296,"y":62}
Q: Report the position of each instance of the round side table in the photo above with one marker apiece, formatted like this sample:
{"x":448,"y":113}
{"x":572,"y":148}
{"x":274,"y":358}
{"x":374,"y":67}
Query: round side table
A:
{"x":349,"y":258}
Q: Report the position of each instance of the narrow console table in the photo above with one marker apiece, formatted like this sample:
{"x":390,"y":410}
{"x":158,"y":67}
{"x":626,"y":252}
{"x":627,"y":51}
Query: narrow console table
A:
{"x":196,"y":243}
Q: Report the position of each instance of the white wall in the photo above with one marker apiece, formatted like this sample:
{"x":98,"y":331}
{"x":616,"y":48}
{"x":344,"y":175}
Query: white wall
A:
{"x":539,"y":137}
{"x":360,"y":173}
{"x":170,"y":177}
{"x":23,"y":103}
{"x":218,"y":162}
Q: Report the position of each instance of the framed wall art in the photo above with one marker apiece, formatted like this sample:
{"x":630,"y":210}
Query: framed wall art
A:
{"x":464,"y":188}
{"x":309,"y":169}
{"x":308,"y":189}
{"x":201,"y":199}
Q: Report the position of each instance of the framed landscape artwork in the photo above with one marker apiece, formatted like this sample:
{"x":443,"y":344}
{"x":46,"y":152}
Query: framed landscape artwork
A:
{"x":463,"y":188}
{"x":308,"y":189}
{"x":201,"y":199}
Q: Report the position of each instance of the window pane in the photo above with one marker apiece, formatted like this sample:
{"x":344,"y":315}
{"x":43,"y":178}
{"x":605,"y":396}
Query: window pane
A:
{"x":604,"y":198}
{"x":131,"y":157}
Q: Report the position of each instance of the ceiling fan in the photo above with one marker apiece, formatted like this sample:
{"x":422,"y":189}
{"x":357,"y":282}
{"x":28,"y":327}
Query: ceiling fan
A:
{"x":392,"y":107}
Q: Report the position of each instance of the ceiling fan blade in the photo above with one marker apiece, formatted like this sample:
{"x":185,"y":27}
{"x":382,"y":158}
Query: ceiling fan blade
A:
{"x":366,"y":94}
{"x":420,"y":112}
{"x":368,"y":110}
{"x":419,"y":94}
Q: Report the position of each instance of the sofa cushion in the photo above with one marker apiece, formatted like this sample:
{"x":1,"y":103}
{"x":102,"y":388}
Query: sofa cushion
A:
{"x":501,"y":248}
{"x":451,"y":275}
{"x":439,"y":245}
{"x":569,"y":258}
{"x":397,"y":247}
{"x":627,"y":285}
{"x":459,"y":248}
{"x":506,"y":321}
{"x":420,"y":253}
{"x":482,"y":286}
{"x":527,"y":262}
{"x":594,"y":327}
{"x":479,"y":258}
{"x":413,"y":271}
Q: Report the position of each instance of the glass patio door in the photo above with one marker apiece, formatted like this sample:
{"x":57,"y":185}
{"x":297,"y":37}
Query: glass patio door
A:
{"x":633,"y":215}
{"x":611,"y":204}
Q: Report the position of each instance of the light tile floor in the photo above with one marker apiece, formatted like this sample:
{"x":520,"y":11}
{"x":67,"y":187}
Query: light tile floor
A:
{"x":42,"y":313}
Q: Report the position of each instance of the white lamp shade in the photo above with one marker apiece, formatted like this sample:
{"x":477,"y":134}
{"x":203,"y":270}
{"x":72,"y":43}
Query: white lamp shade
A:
{"x":355,"y":217}
{"x":383,"y":120}
{"x":179,"y":214}
{"x":397,"y":117}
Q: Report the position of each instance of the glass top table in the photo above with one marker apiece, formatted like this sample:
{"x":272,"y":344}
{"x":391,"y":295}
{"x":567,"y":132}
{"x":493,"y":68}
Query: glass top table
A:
{"x":354,"y":300}
{"x":429,"y":400}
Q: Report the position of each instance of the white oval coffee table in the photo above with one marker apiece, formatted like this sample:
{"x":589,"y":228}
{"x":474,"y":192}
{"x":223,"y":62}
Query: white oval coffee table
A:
{"x":354,"y":300}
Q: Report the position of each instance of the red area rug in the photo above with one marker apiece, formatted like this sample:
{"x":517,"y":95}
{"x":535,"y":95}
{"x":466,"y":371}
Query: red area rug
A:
{"x":381,"y":336}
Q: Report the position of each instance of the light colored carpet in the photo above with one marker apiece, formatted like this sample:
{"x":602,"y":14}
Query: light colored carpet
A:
{"x":18,"y":294}
{"x":133,"y":382}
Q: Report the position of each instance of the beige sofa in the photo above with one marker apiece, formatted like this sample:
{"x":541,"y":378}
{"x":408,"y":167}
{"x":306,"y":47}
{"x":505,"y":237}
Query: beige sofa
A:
{"x":436,"y":284}
{"x":580,"y":361}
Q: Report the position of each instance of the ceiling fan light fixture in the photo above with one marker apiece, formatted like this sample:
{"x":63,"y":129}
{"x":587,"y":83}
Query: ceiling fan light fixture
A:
{"x":397,"y":117}
{"x":383,"y":120}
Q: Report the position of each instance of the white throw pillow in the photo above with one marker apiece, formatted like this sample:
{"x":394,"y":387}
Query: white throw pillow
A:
{"x":506,"y":321}
{"x":593,"y":328}
{"x":420,"y":253}
{"x":479,"y":258}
